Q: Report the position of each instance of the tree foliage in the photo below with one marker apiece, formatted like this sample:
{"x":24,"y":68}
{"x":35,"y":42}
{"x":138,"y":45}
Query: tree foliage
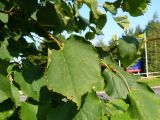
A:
{"x":153,"y":32}
{"x":45,"y":76}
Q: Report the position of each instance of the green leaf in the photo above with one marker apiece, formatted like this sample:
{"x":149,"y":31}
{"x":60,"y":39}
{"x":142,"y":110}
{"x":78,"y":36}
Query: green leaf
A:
{"x":62,"y":112}
{"x":3,"y":67}
{"x":89,"y":35}
{"x":52,"y":20}
{"x":91,"y":109}
{"x":108,"y":6}
{"x":4,"y":115}
{"x":30,"y":79}
{"x":79,"y":70}
{"x":115,"y":86}
{"x":16,"y":94}
{"x":5,"y":89}
{"x":66,"y":13}
{"x":28,"y":111}
{"x":92,"y":4}
{"x":8,"y":90}
{"x":6,"y":109}
{"x":4,"y":51}
{"x":2,"y":5}
{"x":135,"y":7}
{"x":123,"y":116}
{"x":130,"y":52}
{"x":113,"y":73}
{"x":28,"y":6}
{"x":43,"y":111}
{"x":29,"y":89}
{"x":100,"y":20}
{"x":122,"y":21}
{"x":142,"y":104}
{"x":4,"y":17}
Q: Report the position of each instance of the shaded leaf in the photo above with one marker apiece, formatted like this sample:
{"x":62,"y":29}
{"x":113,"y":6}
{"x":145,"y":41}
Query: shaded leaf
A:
{"x":52,"y":20}
{"x":3,"y":67}
{"x":89,"y":35}
{"x":91,"y":109}
{"x":130,"y":52}
{"x":6,"y":109}
{"x":100,"y":20}
{"x":115,"y":86}
{"x":63,"y":112}
{"x":29,"y":89}
{"x":43,"y":111}
{"x":79,"y":70}
{"x":28,"y":6}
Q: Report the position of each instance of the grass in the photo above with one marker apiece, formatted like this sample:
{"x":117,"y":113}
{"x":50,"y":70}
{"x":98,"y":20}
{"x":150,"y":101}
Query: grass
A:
{"x":152,"y":82}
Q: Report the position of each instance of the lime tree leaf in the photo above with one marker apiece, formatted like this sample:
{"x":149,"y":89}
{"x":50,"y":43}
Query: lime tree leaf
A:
{"x":91,"y":109}
{"x":78,"y":72}
{"x":89,"y":35}
{"x":4,"y":115}
{"x":135,"y":7}
{"x":52,"y":20}
{"x":115,"y":77}
{"x":123,"y":116}
{"x":29,"y":89}
{"x":100,"y":20}
{"x":122,"y":21}
{"x":5,"y":89}
{"x":92,"y":4}
{"x":28,"y":111}
{"x":6,"y":109}
{"x":4,"y":51}
{"x":2,"y":5}
{"x":115,"y":86}
{"x":43,"y":111}
{"x":108,"y":6}
{"x":118,"y":108}
{"x":63,"y":112}
{"x":30,"y":79}
{"x":16,"y":94}
{"x":33,"y":5}
{"x":142,"y":104}
{"x":66,"y":12}
{"x":3,"y":67}
{"x":4,"y":17}
{"x":130,"y":52}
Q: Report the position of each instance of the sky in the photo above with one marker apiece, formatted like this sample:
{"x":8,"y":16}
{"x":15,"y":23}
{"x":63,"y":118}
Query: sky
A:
{"x":112,"y":28}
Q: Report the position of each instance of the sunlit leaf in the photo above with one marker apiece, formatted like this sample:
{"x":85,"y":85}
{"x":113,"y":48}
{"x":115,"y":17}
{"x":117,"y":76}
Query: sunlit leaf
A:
{"x":79,"y":70}
{"x":110,"y":7}
{"x":28,"y":111}
{"x":4,"y":17}
{"x":135,"y":7}
{"x":122,"y":21}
